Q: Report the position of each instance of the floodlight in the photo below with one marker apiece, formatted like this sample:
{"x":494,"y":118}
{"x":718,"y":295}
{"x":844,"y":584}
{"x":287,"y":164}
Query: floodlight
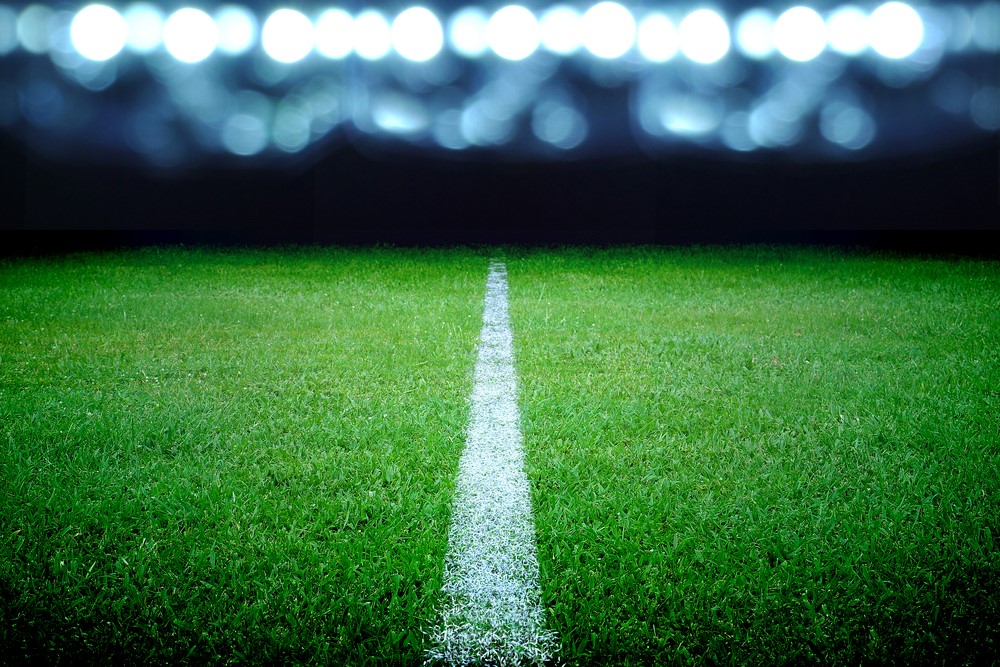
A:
{"x":98,"y":32}
{"x":190,"y":35}
{"x":704,"y":36}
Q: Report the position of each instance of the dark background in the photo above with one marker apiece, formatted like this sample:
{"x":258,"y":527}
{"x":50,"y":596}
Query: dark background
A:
{"x":938,"y":203}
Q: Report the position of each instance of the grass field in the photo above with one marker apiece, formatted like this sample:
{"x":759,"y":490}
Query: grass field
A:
{"x":740,"y":456}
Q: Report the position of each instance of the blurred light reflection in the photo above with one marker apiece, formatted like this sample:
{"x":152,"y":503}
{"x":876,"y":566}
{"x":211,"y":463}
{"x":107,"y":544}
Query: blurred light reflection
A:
{"x":830,"y":81}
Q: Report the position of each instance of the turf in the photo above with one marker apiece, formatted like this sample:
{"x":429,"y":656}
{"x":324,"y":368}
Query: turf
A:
{"x":745,"y":456}
{"x":763,"y":456}
{"x":229,"y":457}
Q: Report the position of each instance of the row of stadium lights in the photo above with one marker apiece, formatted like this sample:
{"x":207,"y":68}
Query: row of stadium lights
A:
{"x":607,"y":30}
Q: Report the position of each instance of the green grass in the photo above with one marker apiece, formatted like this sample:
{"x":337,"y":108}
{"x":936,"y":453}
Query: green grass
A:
{"x":742,"y":456}
{"x":763,"y":456}
{"x":229,"y":457}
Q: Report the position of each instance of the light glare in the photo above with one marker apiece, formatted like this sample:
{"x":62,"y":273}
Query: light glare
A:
{"x":800,"y":34}
{"x":754,"y":34}
{"x":98,"y":32}
{"x":417,"y":34}
{"x":704,"y":36}
{"x":467,"y":32}
{"x":237,"y":29}
{"x":608,"y":30}
{"x":513,"y":33}
{"x":145,"y":27}
{"x":657,"y":39}
{"x":895,"y":30}
{"x":846,"y":30}
{"x":335,"y":34}
{"x":372,"y":35}
{"x":560,"y":27}
{"x":287,"y":36}
{"x":190,"y":35}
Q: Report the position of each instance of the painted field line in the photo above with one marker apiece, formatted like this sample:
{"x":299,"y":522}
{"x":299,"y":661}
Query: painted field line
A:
{"x":492,"y":611}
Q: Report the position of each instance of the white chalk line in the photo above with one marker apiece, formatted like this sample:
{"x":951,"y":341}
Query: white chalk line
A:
{"x":492,"y":612}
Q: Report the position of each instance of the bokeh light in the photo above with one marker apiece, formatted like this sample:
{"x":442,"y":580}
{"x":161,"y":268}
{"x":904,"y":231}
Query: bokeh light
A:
{"x":144,"y":23}
{"x":559,"y":125}
{"x":986,"y":26}
{"x":244,"y":134}
{"x":754,"y":33}
{"x":561,"y":30}
{"x":895,"y":30}
{"x":98,"y":32}
{"x":847,"y":30}
{"x":608,"y":30}
{"x":33,"y":28}
{"x":190,"y":35}
{"x":8,"y":30}
{"x":846,"y":125}
{"x":417,"y":34}
{"x":467,"y":32}
{"x":513,"y":33}
{"x":287,"y":36}
{"x":657,"y":38}
{"x":335,"y":34}
{"x":704,"y":36}
{"x":800,"y":34}
{"x":372,"y":35}
{"x":985,"y":108}
{"x":826,"y":80}
{"x":237,"y":29}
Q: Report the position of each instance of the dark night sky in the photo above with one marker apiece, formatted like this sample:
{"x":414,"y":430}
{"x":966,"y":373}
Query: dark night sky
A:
{"x":349,"y":197}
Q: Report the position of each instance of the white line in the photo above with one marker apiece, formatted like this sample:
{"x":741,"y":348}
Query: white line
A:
{"x":493,"y":610}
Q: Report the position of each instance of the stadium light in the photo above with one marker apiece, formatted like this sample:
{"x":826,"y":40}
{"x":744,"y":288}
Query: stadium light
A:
{"x":895,"y":30}
{"x":656,"y":38}
{"x":144,"y":22}
{"x":513,"y":33}
{"x":531,"y":80}
{"x":237,"y":29}
{"x":372,"y":35}
{"x":417,"y":34}
{"x":704,"y":36}
{"x":287,"y":36}
{"x":608,"y":30}
{"x":98,"y":32}
{"x":190,"y":35}
{"x":800,"y":34}
{"x":335,"y":34}
{"x":561,"y":31}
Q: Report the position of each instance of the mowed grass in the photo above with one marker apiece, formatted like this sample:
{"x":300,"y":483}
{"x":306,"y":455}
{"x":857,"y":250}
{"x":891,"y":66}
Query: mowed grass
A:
{"x":215,"y":457}
{"x":742,"y":456}
{"x":763,"y":456}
